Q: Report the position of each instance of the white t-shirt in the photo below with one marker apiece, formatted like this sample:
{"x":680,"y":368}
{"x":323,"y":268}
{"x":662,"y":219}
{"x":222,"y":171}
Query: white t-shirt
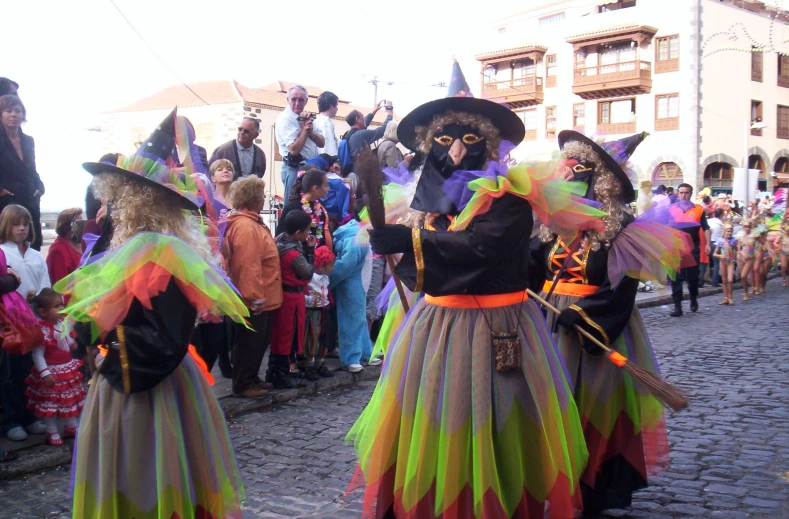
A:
{"x":32,"y":268}
{"x":287,"y":131}
{"x":324,"y":125}
{"x":716,"y":229}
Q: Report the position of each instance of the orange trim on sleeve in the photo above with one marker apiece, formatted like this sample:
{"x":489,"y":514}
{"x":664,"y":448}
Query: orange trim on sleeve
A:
{"x":201,"y":365}
{"x":477,"y":301}
{"x":570,"y":289}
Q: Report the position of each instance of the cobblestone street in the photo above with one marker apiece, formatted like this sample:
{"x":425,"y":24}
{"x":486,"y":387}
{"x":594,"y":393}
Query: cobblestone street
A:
{"x":730,"y":449}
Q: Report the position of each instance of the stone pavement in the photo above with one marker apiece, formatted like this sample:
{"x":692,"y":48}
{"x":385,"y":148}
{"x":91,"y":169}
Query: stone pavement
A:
{"x":730,"y":449}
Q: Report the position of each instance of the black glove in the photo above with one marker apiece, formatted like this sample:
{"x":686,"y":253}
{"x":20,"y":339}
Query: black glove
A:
{"x":391,"y":239}
{"x":569,"y":317}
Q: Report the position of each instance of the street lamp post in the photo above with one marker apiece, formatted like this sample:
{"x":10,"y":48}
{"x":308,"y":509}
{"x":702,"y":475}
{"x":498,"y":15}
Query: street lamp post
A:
{"x":759,"y":125}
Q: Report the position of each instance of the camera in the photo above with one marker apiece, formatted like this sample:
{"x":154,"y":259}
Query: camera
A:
{"x":304,"y":118}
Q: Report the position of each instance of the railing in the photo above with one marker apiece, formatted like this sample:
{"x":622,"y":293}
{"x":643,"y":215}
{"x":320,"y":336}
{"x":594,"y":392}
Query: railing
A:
{"x":626,"y":69}
{"x":525,"y":85}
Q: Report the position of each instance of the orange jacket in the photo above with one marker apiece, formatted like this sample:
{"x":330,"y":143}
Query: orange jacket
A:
{"x":252,"y":259}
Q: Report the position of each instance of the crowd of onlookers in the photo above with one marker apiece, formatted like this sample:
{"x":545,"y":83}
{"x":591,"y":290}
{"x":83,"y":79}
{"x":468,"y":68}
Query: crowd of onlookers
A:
{"x":307,"y":283}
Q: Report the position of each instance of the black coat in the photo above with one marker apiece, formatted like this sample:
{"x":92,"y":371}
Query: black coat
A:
{"x":18,"y":177}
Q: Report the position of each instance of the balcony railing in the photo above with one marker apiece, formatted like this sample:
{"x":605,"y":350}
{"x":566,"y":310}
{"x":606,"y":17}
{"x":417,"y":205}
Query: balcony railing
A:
{"x":625,"y":78}
{"x":616,"y":128}
{"x":517,"y":93}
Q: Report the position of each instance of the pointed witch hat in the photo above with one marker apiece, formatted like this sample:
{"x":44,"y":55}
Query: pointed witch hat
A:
{"x":460,"y":99}
{"x":152,"y":164}
{"x":615,"y":154}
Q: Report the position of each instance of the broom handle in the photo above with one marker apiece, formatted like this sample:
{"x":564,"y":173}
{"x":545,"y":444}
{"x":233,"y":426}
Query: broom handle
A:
{"x":398,"y":284}
{"x":580,"y":330}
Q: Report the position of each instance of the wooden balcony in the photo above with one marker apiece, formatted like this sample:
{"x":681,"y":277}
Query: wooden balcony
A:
{"x":517,"y":93}
{"x":756,"y":132}
{"x":616,"y":128}
{"x":531,"y":135}
{"x":618,"y":79}
{"x":666,"y":65}
{"x":667,"y":124}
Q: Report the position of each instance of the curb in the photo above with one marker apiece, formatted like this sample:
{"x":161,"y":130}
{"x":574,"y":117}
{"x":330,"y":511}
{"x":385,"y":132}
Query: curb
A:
{"x":35,"y":456}
{"x":704,"y":292}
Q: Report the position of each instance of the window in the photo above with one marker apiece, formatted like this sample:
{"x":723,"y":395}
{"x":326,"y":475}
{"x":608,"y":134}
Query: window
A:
{"x":523,"y":71}
{"x":667,"y":112}
{"x":617,"y":57}
{"x":615,"y":6}
{"x":489,"y":74}
{"x":550,"y":70}
{"x":667,"y":54}
{"x":668,"y":174}
{"x":579,"y":120}
{"x":529,"y":118}
{"x":558,"y":17}
{"x":617,"y":112}
{"x":783,"y":71}
{"x":757,"y":63}
{"x":718,"y":174}
{"x":756,"y":116}
{"x":783,"y":122}
{"x":550,"y":122}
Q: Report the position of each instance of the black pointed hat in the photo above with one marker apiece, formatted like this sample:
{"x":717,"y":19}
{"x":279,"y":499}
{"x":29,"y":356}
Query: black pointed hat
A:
{"x":615,"y":154}
{"x":152,"y":163}
{"x":459,"y":99}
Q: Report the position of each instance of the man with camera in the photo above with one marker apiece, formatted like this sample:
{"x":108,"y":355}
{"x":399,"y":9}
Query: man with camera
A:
{"x":297,"y":139}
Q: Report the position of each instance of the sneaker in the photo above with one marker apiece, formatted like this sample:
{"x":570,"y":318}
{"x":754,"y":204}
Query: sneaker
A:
{"x":375,"y":361}
{"x":16,"y":434}
{"x":36,"y":427}
{"x":355,"y":368}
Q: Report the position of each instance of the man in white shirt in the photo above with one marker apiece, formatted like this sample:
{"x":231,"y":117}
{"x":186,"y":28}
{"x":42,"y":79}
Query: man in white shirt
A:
{"x":327,"y":105}
{"x":297,"y":139}
{"x":716,"y":233}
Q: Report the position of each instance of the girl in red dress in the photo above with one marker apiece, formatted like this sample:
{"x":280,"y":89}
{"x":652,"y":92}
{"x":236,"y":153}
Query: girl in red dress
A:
{"x":55,"y":381}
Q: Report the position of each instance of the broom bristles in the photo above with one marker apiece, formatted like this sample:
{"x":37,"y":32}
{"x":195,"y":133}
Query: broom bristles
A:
{"x":369,"y":171}
{"x":668,"y":394}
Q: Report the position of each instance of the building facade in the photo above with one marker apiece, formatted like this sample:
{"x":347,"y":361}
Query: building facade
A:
{"x":215,"y":108}
{"x":695,"y":74}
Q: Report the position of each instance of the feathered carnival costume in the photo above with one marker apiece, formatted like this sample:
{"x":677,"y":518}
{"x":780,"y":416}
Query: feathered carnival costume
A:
{"x":153,"y":442}
{"x":593,"y":279}
{"x":473,"y":416}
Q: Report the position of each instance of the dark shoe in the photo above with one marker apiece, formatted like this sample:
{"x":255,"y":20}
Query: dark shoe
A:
{"x":8,"y":456}
{"x":253,"y":393}
{"x":312,"y":375}
{"x":694,"y":304}
{"x":677,"y":311}
{"x":269,"y":375}
{"x":281,"y":379}
{"x":264,"y":385}
{"x":325,"y":372}
{"x":701,"y":285}
{"x":334,"y":354}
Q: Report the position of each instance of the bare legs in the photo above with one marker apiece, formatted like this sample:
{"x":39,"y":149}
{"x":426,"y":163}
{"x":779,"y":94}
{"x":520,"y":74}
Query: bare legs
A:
{"x":746,"y":270}
{"x":784,"y":267}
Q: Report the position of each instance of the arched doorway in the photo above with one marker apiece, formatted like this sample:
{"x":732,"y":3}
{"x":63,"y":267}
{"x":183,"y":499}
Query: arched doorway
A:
{"x":781,"y":173}
{"x":756,"y":162}
{"x":667,"y":173}
{"x":718,"y":177}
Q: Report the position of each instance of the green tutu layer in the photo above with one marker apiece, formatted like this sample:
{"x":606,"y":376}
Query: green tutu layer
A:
{"x":446,"y":435}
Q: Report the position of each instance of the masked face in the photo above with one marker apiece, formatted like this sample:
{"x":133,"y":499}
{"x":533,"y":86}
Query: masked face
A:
{"x":458,"y":147}
{"x":577,"y":171}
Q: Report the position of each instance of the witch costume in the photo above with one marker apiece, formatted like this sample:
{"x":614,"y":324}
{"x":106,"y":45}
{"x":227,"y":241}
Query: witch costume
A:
{"x":594,"y":283}
{"x":153,"y":442}
{"x":459,"y":427}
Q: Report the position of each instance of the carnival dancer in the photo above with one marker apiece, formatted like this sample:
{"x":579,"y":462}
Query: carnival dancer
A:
{"x":472,"y":416}
{"x":784,"y":241}
{"x":54,"y":386}
{"x":747,"y":245}
{"x":152,"y":442}
{"x":593,"y":281}
{"x":726,"y":252}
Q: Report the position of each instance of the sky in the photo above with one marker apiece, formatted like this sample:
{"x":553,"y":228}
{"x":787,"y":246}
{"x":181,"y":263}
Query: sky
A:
{"x":74,"y":60}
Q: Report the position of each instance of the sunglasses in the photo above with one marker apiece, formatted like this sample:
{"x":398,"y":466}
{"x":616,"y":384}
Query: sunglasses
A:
{"x":245,"y":131}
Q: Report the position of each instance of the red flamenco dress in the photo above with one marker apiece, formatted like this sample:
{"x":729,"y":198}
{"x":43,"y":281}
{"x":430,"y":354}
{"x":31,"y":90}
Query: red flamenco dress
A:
{"x":66,"y":397}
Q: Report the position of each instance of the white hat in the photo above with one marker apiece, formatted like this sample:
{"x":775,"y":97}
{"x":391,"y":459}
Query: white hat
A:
{"x":721,"y":195}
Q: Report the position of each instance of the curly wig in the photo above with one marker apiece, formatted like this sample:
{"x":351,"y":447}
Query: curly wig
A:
{"x":424,"y":135}
{"x":137,"y":207}
{"x":607,"y":190}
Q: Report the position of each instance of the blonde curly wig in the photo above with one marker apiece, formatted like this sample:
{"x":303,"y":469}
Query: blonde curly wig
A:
{"x":137,"y":207}
{"x":424,"y":135}
{"x":607,"y":190}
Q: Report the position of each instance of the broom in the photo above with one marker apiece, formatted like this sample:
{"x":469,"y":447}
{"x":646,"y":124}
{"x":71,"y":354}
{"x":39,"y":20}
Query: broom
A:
{"x":370,"y":175}
{"x":669,"y":395}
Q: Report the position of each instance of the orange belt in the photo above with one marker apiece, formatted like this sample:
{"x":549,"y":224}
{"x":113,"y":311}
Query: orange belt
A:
{"x":564,"y":288}
{"x":478,"y":301}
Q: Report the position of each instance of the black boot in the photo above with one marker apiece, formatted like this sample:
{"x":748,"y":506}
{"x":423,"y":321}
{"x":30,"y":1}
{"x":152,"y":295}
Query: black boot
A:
{"x":694,"y":304}
{"x":280,"y":368}
{"x":677,"y":310}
